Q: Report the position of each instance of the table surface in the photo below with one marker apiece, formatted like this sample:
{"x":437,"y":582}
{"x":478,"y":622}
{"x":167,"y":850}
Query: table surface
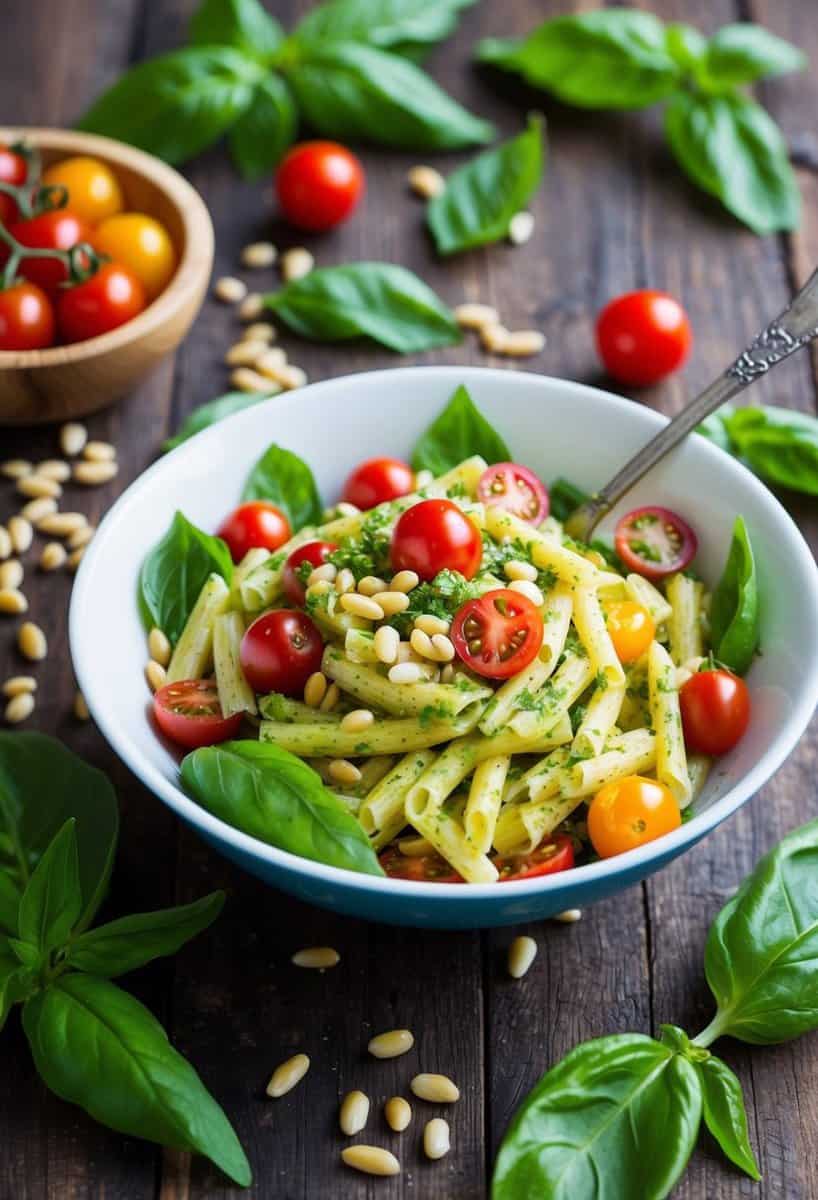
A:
{"x":614,"y":214}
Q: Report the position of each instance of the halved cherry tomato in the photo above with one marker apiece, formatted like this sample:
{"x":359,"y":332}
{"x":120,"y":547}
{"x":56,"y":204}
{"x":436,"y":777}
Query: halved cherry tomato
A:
{"x":280,"y":651}
{"x":433,"y":536}
{"x":631,"y":628}
{"x":93,"y":189}
{"x":313,"y":553}
{"x":189,"y":713}
{"x":556,"y":853}
{"x":420,"y":868}
{"x":715,"y":711}
{"x":516,"y":489}
{"x":655,"y":542}
{"x":13,"y":170}
{"x":26,"y":318}
{"x":58,"y":230}
{"x":318,"y":185}
{"x":377,"y":480}
{"x":142,"y":245}
{"x":643,"y":336}
{"x":631,"y":812}
{"x":256,"y":523}
{"x":112,"y":296}
{"x":498,"y":634}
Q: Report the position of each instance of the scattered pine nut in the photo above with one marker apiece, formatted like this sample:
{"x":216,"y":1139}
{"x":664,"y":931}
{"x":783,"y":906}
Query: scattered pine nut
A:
{"x":361,"y":606}
{"x":429,"y":624}
{"x":252,"y":306}
{"x":569,"y":917}
{"x":437,"y":1089}
{"x":229,"y":290}
{"x":11,"y":574}
{"x":5,"y":543}
{"x":405,"y":672}
{"x":354,"y":1113}
{"x":386,"y":644}
{"x":372,"y":1160}
{"x":287,"y":375}
{"x":53,"y":556}
{"x":398,"y":1113}
{"x":404,"y":581}
{"x":258,"y":254}
{"x":35,"y":510}
{"x":370,"y":585}
{"x":94,"y":473}
{"x":156,"y":675}
{"x":517,"y":569}
{"x":475,"y":316}
{"x":296,"y":263}
{"x":442,"y":647}
{"x":320,"y":588}
{"x":520,"y":228}
{"x":248,"y":380}
{"x":62,"y":524}
{"x":326,"y":571}
{"x":16,"y":685}
{"x":80,"y":708}
{"x":287,"y":1075}
{"x":99,"y":452}
{"x":21,"y":534}
{"x":344,"y":581}
{"x":244,"y":353}
{"x":159,"y":646}
{"x":81,"y":538}
{"x":391,"y":1044}
{"x":341,"y":770}
{"x":392,"y":602}
{"x":529,"y":590}
{"x":315,"y":689}
{"x":421,"y":643}
{"x":260,"y":331}
{"x":494,"y":338}
{"x":425,"y":181}
{"x":523,"y":343}
{"x":12,"y":602}
{"x":32,"y":642}
{"x":270,"y":362}
{"x":19,"y":708}
{"x":73,"y":437}
{"x":331,"y":699}
{"x":521,"y":954}
{"x":16,"y":468}
{"x":35,"y":486}
{"x":54,"y":468}
{"x":318,"y":958}
{"x":436,"y":1141}
{"x":75,"y":558}
{"x":357,"y":721}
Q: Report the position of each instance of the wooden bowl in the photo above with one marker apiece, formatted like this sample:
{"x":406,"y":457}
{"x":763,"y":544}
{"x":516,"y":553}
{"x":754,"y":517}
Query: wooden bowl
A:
{"x":71,"y":381}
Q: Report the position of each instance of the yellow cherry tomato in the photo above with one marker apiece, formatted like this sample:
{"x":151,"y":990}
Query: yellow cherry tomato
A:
{"x":631,"y":628}
{"x":143,"y":245}
{"x":93,"y":189}
{"x":630,"y":812}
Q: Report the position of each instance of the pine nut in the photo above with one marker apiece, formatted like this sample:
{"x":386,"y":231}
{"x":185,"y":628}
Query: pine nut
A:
{"x":517,"y":569}
{"x":19,"y":708}
{"x":81,"y":538}
{"x":35,"y":486}
{"x":11,"y":574}
{"x":92,"y":474}
{"x":436,"y":1143}
{"x":425,"y":181}
{"x":341,"y":770}
{"x":331,"y":699}
{"x":398,"y":1113}
{"x":404,"y":581}
{"x":494,"y":338}
{"x":288,"y":376}
{"x":31,"y":642}
{"x":75,"y":558}
{"x":260,"y":331}
{"x":73,"y":437}
{"x":344,"y":581}
{"x":529,"y":590}
{"x":357,"y":721}
{"x":315,"y":689}
{"x":258,"y":254}
{"x":405,"y":672}
{"x":35,"y":510}
{"x":443,"y":648}
{"x":229,"y":290}
{"x":391,"y":1044}
{"x":99,"y":452}
{"x":54,"y":468}
{"x":320,"y":588}
{"x":270,"y":362}
{"x":361,"y":606}
{"x":16,"y":468}
{"x":345,"y":509}
{"x":522,"y":343}
{"x":62,"y":524}
{"x":354,"y":1113}
{"x":155,"y":674}
{"x":16,"y":685}
{"x":421,"y":643}
{"x":296,"y":263}
{"x":372,"y":1160}
{"x":12,"y":602}
{"x":247,"y":380}
{"x":521,"y":954}
{"x":429,"y":624}
{"x":159,"y":647}
{"x":569,"y":917}
{"x":5,"y":542}
{"x":520,"y":228}
{"x":447,"y":674}
{"x":244,"y":353}
{"x":80,"y":708}
{"x":21,"y":534}
{"x":370,"y":585}
{"x":475,"y":316}
{"x":437,"y":1089}
{"x":252,"y":306}
{"x":392,"y":602}
{"x":423,"y":479}
{"x":285,"y":1077}
{"x":326,"y":571}
{"x":316,"y":958}
{"x":53,"y":556}
{"x":386,"y":643}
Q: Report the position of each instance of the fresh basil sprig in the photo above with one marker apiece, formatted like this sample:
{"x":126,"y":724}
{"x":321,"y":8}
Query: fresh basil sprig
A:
{"x":406,"y":27}
{"x":285,"y":479}
{"x":734,"y":607}
{"x":175,"y":572}
{"x":459,"y":432}
{"x":779,"y":444}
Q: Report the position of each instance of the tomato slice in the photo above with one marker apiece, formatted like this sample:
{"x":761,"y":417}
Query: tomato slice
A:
{"x":498,"y":634}
{"x":554,"y":854}
{"x":420,"y":868}
{"x":655,"y":542}
{"x":189,"y":713}
{"x":514,"y":488}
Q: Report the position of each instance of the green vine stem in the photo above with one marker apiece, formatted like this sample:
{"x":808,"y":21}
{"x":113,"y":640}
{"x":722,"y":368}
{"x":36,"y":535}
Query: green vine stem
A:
{"x":81,"y":261}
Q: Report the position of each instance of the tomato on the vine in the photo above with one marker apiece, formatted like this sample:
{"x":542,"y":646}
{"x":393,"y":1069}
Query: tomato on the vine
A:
{"x":254,"y":523}
{"x":313,"y":553}
{"x":419,"y":868}
{"x":433,"y":536}
{"x":631,"y":628}
{"x":554,"y":854}
{"x":378,"y":480}
{"x":93,"y":189}
{"x":318,"y":184}
{"x":280,"y":651}
{"x":514,"y":488}
{"x":57,"y":230}
{"x":140,"y":243}
{"x":104,"y":301}
{"x":654,"y":541}
{"x":631,"y":812}
{"x":13,"y":170}
{"x":189,"y":713}
{"x":26,"y":318}
{"x":498,"y":634}
{"x":643,"y":336}
{"x":715,"y":711}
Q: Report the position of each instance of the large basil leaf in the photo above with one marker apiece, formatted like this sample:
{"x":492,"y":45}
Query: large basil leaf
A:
{"x":732,"y":148}
{"x":612,"y":58}
{"x":52,"y":902}
{"x":274,"y":796}
{"x":386,"y":24}
{"x":347,"y":90}
{"x":481,"y":197}
{"x":742,"y":53}
{"x":9,"y":901}
{"x":175,"y":572}
{"x":459,"y":432}
{"x":208,"y":414}
{"x":734,"y":608}
{"x":725,"y":1114}
{"x":779,"y":444}
{"x":177,"y":104}
{"x":369,"y":299}
{"x":618,"y":1116}
{"x":96,"y":1046}
{"x":16,"y":983}
{"x":285,"y":479}
{"x":244,"y":24}
{"x":265,"y":130}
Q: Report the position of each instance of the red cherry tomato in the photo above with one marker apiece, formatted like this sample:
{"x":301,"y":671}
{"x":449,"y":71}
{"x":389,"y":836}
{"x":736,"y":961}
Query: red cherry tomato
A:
{"x":642,"y":337}
{"x":516,"y":489}
{"x":654,"y":541}
{"x":433,"y":536}
{"x":318,"y":184}
{"x":256,"y":523}
{"x":26,"y":318}
{"x":280,"y":651}
{"x":13,"y":170}
{"x":556,"y":853}
{"x":498,"y":634}
{"x":189,"y":713}
{"x":58,"y":230}
{"x":420,"y":868}
{"x":377,"y":480}
{"x":313,"y":553}
{"x":715,"y":711}
{"x":104,"y":302}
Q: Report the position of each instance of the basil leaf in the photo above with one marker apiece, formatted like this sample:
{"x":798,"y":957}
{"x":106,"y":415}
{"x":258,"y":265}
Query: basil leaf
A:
{"x":177,"y":104}
{"x":685,"y":45}
{"x":732,"y":148}
{"x":778,"y":444}
{"x":459,"y":432}
{"x":285,"y":479}
{"x":265,"y":130}
{"x":381,"y":301}
{"x":16,"y":983}
{"x":481,"y":197}
{"x":623,"y":1109}
{"x":564,"y":497}
{"x":612,"y":58}
{"x":346,"y":90}
{"x":52,"y":902}
{"x":131,"y":942}
{"x":734,"y":609}
{"x":42,"y":785}
{"x":96,"y":1046}
{"x":175,"y":571}
{"x":386,"y":24}
{"x":9,"y":903}
{"x":274,"y":796}
{"x":208,"y":414}
{"x":743,"y":53}
{"x":725,"y":1115}
{"x":244,"y":24}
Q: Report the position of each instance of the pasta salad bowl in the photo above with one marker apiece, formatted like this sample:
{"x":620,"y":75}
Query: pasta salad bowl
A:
{"x":556,"y":428}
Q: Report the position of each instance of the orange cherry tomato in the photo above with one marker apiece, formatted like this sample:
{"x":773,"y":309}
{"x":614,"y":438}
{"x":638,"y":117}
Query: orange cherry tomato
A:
{"x":631,"y":812}
{"x":93,"y":189}
{"x":631,"y":628}
{"x":141,"y":244}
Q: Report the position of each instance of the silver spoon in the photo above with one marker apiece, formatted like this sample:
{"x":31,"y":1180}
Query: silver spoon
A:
{"x":796,"y":327}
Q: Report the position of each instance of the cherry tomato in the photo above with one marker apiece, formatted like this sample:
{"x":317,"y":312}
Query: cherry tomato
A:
{"x":435,"y":535}
{"x":715,"y":711}
{"x":378,"y":480}
{"x":498,"y":634}
{"x":420,"y":868}
{"x":142,"y":245}
{"x":556,"y":853}
{"x":318,"y":184}
{"x":189,"y":713}
{"x":516,"y":489}
{"x":26,"y":318}
{"x":93,"y":189}
{"x":314,"y":553}
{"x":104,"y":302}
{"x":631,"y":812}
{"x":631,"y":628}
{"x":642,"y":337}
{"x":13,"y":170}
{"x":655,"y":541}
{"x":256,"y":523}
{"x":58,"y":230}
{"x":280,"y":651}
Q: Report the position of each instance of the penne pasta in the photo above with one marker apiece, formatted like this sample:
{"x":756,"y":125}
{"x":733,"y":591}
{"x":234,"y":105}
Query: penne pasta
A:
{"x":235,"y":693}
{"x":485,"y":799}
{"x":552,"y":703}
{"x":601,"y":715}
{"x":590,"y":625}
{"x":671,"y":759}
{"x":448,"y":837}
{"x":193,"y":655}
{"x":684,"y":623}
{"x":392,"y":735}
{"x":431,"y":701}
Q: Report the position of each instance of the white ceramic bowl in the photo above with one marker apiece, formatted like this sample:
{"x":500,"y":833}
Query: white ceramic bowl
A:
{"x":554,"y":427}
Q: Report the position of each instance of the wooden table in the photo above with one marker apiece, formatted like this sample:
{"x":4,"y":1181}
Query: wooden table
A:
{"x":614,"y":214}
